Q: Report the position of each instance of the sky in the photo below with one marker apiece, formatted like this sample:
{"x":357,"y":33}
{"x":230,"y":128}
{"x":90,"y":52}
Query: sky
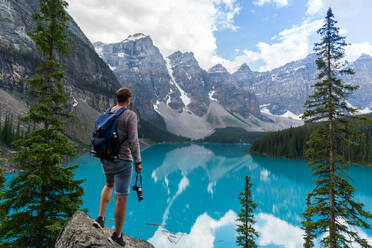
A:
{"x":265,"y":34}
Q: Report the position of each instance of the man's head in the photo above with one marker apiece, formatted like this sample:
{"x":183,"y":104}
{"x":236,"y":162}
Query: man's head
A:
{"x":123,"y":96}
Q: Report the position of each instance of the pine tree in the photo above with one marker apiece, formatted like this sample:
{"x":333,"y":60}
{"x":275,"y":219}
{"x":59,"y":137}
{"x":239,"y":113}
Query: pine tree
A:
{"x":2,"y":212}
{"x":245,"y":228}
{"x":44,"y":194}
{"x":331,"y":201}
{"x":307,"y":224}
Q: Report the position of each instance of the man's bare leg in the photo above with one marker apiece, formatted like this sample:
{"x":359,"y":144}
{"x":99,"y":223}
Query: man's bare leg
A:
{"x":105,"y":198}
{"x":120,"y":209}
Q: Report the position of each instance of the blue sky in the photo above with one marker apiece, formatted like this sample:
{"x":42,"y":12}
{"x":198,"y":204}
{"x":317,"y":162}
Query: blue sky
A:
{"x":265,"y":34}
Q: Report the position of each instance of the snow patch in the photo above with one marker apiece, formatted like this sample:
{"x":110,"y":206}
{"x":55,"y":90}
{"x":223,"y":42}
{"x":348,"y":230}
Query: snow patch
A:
{"x":156,"y":107}
{"x":291,"y":115}
{"x":135,"y":37}
{"x":364,"y":111}
{"x":188,"y":76}
{"x":299,"y":68}
{"x":185,"y":99}
{"x":99,"y":51}
{"x":288,"y":114}
{"x":211,"y":95}
{"x":169,"y":98}
{"x":276,"y":78}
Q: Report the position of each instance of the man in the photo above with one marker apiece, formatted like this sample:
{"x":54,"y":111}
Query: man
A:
{"x":120,"y":173}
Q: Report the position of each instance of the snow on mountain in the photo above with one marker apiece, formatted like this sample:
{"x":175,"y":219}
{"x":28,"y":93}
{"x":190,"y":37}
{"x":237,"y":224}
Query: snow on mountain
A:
{"x":185,"y":99}
{"x":191,"y":101}
{"x":135,"y":37}
{"x":287,"y":88}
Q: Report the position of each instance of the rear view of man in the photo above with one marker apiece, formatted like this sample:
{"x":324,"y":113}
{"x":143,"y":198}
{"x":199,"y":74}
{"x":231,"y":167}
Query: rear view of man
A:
{"x":119,"y":173}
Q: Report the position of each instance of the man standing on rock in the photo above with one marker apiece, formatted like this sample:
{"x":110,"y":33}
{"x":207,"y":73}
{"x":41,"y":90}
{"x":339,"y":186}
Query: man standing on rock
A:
{"x":120,"y":173}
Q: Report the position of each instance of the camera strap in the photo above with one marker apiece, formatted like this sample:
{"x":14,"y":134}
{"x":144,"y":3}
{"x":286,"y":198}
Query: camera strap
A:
{"x":140,"y":176}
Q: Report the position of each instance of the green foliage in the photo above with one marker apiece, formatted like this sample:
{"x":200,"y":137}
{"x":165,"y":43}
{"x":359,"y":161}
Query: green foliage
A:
{"x":9,"y":133}
{"x":232,"y":135}
{"x":44,"y":194}
{"x":307,"y":224}
{"x":291,"y":143}
{"x":331,"y":210}
{"x":2,"y":211}
{"x":245,"y":227}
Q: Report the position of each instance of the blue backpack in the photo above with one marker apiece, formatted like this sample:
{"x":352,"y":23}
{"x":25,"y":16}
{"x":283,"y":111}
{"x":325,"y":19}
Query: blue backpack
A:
{"x":105,"y":141}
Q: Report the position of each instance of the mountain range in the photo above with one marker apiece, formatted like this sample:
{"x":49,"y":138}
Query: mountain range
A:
{"x":184,"y":98}
{"x":193,"y":102}
{"x":173,"y":95}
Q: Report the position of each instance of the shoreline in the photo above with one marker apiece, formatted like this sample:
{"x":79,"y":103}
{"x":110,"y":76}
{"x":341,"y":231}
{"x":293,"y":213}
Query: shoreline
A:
{"x":299,"y":159}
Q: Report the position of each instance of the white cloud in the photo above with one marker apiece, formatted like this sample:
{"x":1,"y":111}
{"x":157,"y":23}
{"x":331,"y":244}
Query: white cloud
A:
{"x":186,"y":25}
{"x":354,"y":51}
{"x":279,"y":3}
{"x":344,"y":8}
{"x":202,"y":233}
{"x":314,"y":6}
{"x":290,"y":44}
{"x":272,"y":231}
{"x":276,"y":231}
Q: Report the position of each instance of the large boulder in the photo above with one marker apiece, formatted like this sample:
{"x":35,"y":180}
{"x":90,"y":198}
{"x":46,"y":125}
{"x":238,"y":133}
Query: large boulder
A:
{"x":80,"y":233}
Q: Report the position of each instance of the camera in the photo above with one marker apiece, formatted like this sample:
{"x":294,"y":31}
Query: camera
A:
{"x":138,"y":188}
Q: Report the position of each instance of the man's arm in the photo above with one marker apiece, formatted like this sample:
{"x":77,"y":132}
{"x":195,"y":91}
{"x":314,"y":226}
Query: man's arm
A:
{"x":133,"y":138}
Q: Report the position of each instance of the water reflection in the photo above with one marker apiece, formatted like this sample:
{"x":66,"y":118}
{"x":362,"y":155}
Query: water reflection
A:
{"x":191,"y":195}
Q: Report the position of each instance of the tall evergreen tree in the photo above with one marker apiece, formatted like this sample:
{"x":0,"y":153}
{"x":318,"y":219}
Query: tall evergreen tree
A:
{"x":44,"y":194}
{"x":2,"y":212}
{"x":246,"y":232}
{"x":331,"y":201}
{"x":307,"y":224}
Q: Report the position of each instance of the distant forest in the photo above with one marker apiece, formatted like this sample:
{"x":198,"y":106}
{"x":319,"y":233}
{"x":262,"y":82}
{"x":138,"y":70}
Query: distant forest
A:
{"x":9,"y":132}
{"x":291,"y":143}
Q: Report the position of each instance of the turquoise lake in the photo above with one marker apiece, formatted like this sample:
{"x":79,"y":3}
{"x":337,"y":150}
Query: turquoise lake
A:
{"x":191,"y":194}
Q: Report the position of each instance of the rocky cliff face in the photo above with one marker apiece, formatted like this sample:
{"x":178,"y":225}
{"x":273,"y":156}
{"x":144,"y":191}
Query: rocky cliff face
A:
{"x":191,"y":101}
{"x":88,"y":78}
{"x":286,"y":88}
{"x":79,"y":233}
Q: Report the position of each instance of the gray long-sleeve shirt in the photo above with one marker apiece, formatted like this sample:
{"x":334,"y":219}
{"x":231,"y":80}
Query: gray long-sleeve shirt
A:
{"x":128,"y":130}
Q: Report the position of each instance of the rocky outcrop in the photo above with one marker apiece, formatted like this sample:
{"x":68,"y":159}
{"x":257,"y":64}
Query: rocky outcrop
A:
{"x":88,"y":78}
{"x":79,"y":233}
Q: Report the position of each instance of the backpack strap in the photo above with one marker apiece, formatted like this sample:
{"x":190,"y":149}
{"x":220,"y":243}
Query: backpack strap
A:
{"x":107,"y":111}
{"x":118,"y":113}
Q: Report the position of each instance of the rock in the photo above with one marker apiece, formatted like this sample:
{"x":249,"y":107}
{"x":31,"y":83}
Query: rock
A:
{"x":80,"y":233}
{"x":88,"y":78}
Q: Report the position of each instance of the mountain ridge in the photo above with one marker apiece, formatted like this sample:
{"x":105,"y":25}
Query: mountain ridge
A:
{"x":191,"y":101}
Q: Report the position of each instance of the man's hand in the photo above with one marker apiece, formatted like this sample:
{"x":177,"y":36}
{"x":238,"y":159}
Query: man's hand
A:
{"x":138,"y":167}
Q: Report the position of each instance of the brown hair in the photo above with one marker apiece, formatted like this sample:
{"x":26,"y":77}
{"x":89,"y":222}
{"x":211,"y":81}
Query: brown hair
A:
{"x":123,"y":94}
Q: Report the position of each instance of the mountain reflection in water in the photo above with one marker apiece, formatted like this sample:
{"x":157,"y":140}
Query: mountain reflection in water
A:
{"x":191,"y":195}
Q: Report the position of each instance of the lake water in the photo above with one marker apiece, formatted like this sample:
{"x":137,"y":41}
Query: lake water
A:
{"x":191,"y":193}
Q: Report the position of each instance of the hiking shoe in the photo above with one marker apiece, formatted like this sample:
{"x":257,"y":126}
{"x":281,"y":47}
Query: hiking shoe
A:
{"x":115,"y":238}
{"x":99,"y":222}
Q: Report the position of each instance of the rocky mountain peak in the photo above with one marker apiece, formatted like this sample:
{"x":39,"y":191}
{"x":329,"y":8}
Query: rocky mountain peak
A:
{"x":185,"y":59}
{"x":218,"y":69}
{"x":244,"y":68}
{"x":135,"y":37}
{"x":364,"y":56}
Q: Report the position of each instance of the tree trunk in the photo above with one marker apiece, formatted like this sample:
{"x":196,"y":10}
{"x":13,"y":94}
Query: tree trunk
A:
{"x":332,"y":223}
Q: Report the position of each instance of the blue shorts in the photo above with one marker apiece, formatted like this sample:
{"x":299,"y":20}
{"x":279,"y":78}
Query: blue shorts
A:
{"x":118,"y":174}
